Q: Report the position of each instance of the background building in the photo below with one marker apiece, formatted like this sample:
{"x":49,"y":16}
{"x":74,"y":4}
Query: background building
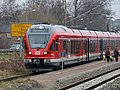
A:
{"x":5,"y":37}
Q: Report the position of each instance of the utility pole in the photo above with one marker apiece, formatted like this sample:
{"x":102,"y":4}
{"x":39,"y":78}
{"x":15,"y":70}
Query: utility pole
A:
{"x":65,"y":11}
{"x":109,"y":23}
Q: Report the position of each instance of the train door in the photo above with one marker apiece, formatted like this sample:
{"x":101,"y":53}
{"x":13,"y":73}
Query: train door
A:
{"x":64,"y":47}
{"x":101,"y":47}
{"x":87,"y":49}
{"x":68,"y":47}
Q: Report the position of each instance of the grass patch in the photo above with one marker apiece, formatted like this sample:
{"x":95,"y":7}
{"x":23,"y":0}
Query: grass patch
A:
{"x":9,"y":56}
{"x":10,"y":84}
{"x":4,"y":74}
{"x":12,"y":64}
{"x":21,"y":84}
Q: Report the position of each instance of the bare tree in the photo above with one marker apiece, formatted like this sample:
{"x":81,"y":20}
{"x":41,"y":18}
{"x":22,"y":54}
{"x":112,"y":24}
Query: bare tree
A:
{"x":38,"y":11}
{"x":9,"y":11}
{"x":90,"y":13}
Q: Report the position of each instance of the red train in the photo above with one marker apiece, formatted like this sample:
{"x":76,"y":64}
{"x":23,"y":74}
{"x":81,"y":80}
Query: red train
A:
{"x":52,"y":44}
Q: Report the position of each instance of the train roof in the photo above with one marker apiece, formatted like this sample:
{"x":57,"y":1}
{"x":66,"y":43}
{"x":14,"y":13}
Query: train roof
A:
{"x":101,"y":34}
{"x":63,"y":30}
{"x":86,"y":33}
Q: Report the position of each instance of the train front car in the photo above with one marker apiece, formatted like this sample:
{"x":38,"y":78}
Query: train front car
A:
{"x":38,"y":42}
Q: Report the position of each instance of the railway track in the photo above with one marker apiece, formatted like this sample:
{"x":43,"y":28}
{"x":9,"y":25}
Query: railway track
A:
{"x":15,"y":77}
{"x":94,"y":82}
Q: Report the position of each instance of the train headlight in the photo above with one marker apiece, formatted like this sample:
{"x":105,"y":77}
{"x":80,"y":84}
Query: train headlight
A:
{"x":45,"y":52}
{"x":29,"y":52}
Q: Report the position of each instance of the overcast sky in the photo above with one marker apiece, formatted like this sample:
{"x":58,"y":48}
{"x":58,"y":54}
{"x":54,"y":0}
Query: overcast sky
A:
{"x":115,"y":7}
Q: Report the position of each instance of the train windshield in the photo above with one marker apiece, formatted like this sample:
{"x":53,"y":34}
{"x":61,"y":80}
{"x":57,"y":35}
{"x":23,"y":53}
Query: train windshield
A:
{"x":38,"y":41}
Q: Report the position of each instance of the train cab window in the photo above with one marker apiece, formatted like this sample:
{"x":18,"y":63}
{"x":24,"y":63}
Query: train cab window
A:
{"x":38,"y":40}
{"x":54,"y":46}
{"x":24,"y":45}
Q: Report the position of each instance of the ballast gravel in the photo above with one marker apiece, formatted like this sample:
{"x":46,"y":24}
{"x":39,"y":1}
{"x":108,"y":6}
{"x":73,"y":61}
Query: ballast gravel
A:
{"x":115,"y":85}
{"x":85,"y":75}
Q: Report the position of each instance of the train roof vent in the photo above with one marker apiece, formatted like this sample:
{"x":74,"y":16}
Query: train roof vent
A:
{"x":72,"y":30}
{"x":89,"y":31}
{"x":63,"y":29}
{"x":111,"y":33}
{"x":103,"y":32}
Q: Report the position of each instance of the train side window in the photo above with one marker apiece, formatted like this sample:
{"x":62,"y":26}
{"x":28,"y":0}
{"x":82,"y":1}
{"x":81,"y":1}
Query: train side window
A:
{"x":72,"y":47}
{"x":64,"y":45}
{"x":112,"y":44}
{"x":104,"y":44}
{"x":78,"y":46}
{"x":75,"y":46}
{"x":117,"y":43}
{"x":101,"y":44}
{"x":92,"y":45}
{"x":85,"y":46}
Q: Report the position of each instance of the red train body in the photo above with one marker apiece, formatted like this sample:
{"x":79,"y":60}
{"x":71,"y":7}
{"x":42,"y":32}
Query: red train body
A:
{"x":52,"y":44}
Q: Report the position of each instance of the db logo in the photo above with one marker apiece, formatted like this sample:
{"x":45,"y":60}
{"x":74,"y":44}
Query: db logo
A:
{"x":52,"y":54}
{"x":37,"y":53}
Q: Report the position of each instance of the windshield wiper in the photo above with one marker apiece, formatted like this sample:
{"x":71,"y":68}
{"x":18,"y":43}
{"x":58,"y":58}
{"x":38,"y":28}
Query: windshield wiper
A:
{"x":40,"y":45}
